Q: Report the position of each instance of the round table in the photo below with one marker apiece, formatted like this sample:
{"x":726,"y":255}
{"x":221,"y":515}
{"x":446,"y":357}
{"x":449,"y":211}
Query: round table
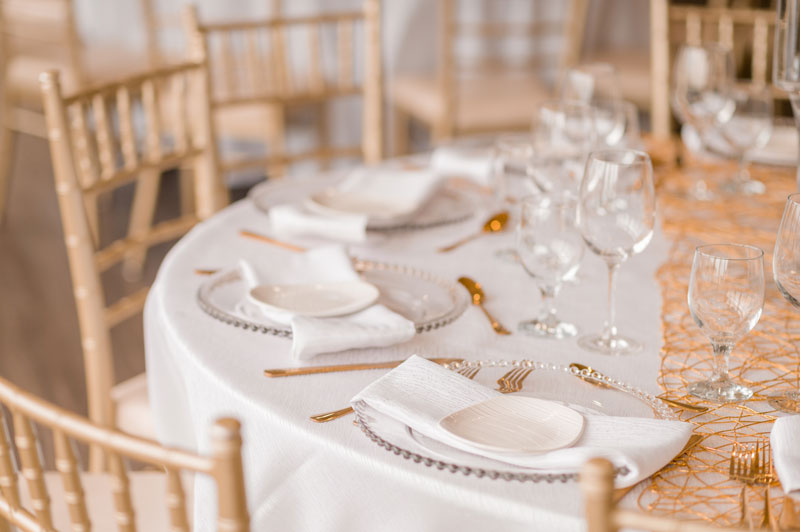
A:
{"x":302,"y":475}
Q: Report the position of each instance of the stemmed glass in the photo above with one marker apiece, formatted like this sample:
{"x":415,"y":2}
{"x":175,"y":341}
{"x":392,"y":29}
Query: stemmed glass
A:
{"x":726,"y":296}
{"x":702,"y":78}
{"x":746,"y":125}
{"x":786,"y":271}
{"x":786,"y":57}
{"x":597,"y":85}
{"x":616,"y":216}
{"x":550,"y":249}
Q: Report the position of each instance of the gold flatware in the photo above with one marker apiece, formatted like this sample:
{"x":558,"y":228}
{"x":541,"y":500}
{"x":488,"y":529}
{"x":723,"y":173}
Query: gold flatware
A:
{"x":789,"y":520}
{"x":694,"y":439}
{"x":468,"y":372}
{"x":494,"y":224}
{"x":677,"y":404}
{"x":512,"y":381}
{"x":268,"y":240}
{"x":476,"y":291}
{"x":751,"y":464}
{"x":293,"y":372}
{"x":200,"y":271}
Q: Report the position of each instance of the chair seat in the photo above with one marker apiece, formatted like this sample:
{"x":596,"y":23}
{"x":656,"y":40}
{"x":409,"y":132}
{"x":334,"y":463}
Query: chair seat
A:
{"x":484,"y":104}
{"x":633,"y":69}
{"x":148,"y":495}
{"x":132,"y":403}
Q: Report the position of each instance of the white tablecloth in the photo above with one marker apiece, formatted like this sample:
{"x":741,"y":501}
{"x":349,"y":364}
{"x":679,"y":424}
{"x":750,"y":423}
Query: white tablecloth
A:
{"x":302,"y":475}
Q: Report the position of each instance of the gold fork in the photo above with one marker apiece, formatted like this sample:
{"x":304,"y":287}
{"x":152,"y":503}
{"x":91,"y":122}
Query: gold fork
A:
{"x":752,"y":466}
{"x":512,"y":381}
{"x":469,"y":372}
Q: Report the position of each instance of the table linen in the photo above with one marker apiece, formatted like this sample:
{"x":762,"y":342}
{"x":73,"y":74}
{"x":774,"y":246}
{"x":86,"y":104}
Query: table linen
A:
{"x":785,"y":443}
{"x":306,"y":476}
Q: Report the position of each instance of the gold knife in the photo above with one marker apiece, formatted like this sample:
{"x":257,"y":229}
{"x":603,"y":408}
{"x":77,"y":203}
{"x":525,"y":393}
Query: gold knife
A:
{"x":291,"y":372}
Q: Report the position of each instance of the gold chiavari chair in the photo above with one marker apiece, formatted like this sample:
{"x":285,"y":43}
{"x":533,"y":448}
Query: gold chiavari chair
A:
{"x":253,"y":63}
{"x":746,"y":31}
{"x":39,"y":35}
{"x":95,"y":152}
{"x":33,"y":499}
{"x":602,"y":515}
{"x":491,"y":95}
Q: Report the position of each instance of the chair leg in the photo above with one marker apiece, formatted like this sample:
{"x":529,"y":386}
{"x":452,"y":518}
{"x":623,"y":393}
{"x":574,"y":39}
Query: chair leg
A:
{"x":7,"y":138}
{"x":4,"y":526}
{"x":400,"y":127}
{"x":144,"y":206}
{"x":186,"y":190}
{"x":323,"y":137}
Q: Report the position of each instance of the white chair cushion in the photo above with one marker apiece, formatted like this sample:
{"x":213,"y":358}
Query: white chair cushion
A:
{"x":133,"y":407}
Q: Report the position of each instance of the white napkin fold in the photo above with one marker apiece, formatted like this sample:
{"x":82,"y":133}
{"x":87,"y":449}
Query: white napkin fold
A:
{"x":375,"y":326}
{"x":459,"y":161}
{"x":298,"y":220}
{"x":784,"y":440}
{"x":419,"y":393}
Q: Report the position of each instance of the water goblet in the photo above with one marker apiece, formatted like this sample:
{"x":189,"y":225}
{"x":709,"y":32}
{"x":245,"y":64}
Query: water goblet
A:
{"x":746,"y":125}
{"x":786,"y":57}
{"x":597,"y":85}
{"x":616,"y":216}
{"x":786,"y":272}
{"x":726,"y":296}
{"x":550,"y":249}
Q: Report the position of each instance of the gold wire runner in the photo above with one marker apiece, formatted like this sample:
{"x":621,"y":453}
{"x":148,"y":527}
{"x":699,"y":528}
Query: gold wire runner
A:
{"x":767,"y":359}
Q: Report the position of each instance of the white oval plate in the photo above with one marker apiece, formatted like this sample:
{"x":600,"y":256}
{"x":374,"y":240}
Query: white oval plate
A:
{"x":318,"y":300}
{"x":515,"y":424}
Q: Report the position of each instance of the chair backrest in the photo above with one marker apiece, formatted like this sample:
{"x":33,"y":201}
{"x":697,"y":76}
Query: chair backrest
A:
{"x":103,"y":139}
{"x":545,"y":22}
{"x":224,"y":464}
{"x":300,"y":60}
{"x":748,"y":32}
{"x":602,"y":515}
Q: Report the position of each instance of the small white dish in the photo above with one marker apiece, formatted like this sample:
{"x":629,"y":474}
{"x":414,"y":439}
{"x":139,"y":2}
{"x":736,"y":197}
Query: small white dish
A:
{"x":315,"y":300}
{"x":515,"y":424}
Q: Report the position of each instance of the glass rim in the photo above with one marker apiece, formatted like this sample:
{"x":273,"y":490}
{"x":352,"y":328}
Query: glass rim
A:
{"x":598,"y":155}
{"x":702,"y":250}
{"x":794,"y":197}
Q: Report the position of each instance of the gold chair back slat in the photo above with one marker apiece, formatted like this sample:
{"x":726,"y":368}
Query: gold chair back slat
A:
{"x":224,"y":464}
{"x":344,"y":47}
{"x":746,"y":31}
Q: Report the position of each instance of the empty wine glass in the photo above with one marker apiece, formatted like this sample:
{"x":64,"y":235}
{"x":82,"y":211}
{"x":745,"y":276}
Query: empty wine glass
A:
{"x":597,"y":85}
{"x":786,"y":271}
{"x":726,"y":296}
{"x":563,"y":135}
{"x":702,"y":77}
{"x":786,"y":57}
{"x":550,"y":249}
{"x":746,"y":125}
{"x":616,"y":216}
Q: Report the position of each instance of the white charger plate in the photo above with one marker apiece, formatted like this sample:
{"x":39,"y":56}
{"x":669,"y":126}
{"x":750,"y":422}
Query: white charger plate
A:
{"x":515,"y":424}
{"x":317,"y":300}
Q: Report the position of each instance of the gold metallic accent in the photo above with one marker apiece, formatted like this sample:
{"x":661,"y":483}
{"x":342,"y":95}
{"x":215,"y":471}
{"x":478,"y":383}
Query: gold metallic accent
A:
{"x":495,"y":224}
{"x":291,"y":372}
{"x":476,"y":291}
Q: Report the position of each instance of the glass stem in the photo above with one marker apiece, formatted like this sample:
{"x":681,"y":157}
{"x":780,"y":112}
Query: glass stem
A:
{"x":741,"y":173}
{"x":610,"y":328}
{"x":795,"y":99}
{"x":722,"y":353}
{"x":548,"y":314}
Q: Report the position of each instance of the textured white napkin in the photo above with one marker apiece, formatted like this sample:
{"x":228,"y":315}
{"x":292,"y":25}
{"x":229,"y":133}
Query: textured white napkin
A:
{"x":458,"y":161}
{"x":375,"y":326}
{"x":298,"y":220}
{"x":784,"y":440}
{"x":419,"y":393}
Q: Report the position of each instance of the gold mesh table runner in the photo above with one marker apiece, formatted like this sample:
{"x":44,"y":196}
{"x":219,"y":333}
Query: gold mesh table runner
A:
{"x":767,"y":359}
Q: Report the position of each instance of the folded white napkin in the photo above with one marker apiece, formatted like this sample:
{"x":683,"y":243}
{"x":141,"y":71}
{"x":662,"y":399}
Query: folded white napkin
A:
{"x":419,"y":393}
{"x":375,"y":326}
{"x":298,"y":220}
{"x":459,"y":161}
{"x":784,"y":440}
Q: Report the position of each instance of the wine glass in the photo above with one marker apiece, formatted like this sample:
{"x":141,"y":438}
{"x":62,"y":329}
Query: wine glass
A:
{"x":616,"y":216}
{"x":726,"y":296}
{"x":786,"y":56}
{"x":550,"y":249}
{"x":786,"y":271}
{"x":563,"y":135}
{"x":702,"y":77}
{"x":746,"y":125}
{"x":597,"y":85}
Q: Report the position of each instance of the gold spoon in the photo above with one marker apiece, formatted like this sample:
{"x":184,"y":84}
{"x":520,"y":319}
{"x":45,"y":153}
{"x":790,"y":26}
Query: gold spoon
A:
{"x":475,"y":290}
{"x":494,"y":224}
{"x":685,"y":406}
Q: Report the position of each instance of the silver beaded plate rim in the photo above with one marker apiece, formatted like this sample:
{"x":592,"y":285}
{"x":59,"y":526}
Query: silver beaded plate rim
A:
{"x":660,"y":409}
{"x":458,"y":296}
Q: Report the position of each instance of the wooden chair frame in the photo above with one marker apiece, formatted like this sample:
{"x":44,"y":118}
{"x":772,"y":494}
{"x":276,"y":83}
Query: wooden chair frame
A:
{"x":281,"y":90}
{"x":224,"y":464}
{"x":698,"y":20}
{"x":86,"y":164}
